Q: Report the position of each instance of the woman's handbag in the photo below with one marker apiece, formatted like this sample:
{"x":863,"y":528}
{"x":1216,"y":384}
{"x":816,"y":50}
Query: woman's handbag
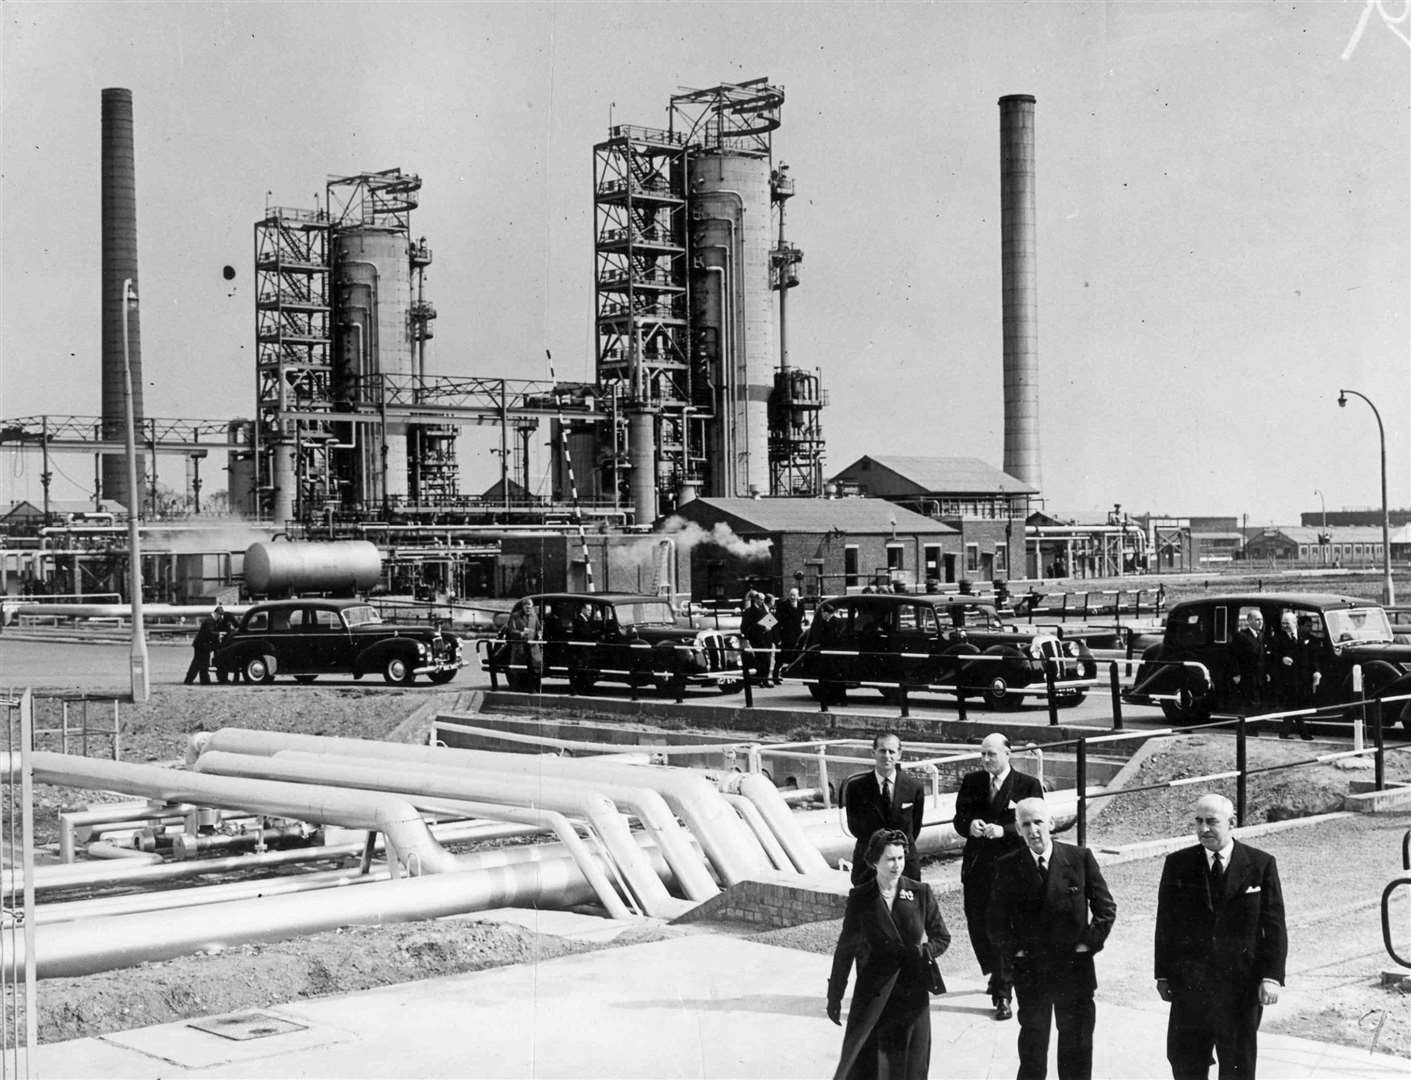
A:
{"x":934,"y":982}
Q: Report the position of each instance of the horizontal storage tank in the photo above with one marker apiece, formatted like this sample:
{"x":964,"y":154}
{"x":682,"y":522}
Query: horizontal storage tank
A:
{"x":344,"y":566}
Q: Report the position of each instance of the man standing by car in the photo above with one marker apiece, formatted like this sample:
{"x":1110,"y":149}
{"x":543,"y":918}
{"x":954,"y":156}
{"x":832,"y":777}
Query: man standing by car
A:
{"x":1221,"y":945}
{"x":526,"y":657}
{"x":790,"y":616}
{"x":1293,"y":673}
{"x":757,"y":628}
{"x":984,"y":815}
{"x":1249,"y":656}
{"x":201,"y":647}
{"x":885,"y":797}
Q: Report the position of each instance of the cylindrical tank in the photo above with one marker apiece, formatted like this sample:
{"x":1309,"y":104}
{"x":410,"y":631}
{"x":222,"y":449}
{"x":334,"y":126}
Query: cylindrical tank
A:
{"x":372,"y":265}
{"x":730,"y":228}
{"x":345,"y":566}
{"x":285,"y":481}
{"x":119,"y":243}
{"x":1019,"y":283}
{"x":240,"y":469}
{"x":641,"y":451}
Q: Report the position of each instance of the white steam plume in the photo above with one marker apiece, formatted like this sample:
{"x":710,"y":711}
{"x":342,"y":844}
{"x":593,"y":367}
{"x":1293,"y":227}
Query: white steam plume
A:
{"x":688,"y":534}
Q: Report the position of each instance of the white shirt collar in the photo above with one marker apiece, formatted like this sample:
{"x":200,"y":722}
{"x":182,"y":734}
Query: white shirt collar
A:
{"x":888,"y":779}
{"x":1046,"y":854}
{"x":1224,"y":853}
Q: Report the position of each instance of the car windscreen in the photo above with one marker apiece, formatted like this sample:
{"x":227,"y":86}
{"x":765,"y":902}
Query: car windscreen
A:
{"x":361,"y":615}
{"x":1354,"y":625}
{"x":645,"y":613}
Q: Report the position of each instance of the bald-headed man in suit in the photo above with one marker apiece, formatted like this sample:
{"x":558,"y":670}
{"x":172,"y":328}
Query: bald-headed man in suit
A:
{"x":1221,"y":945}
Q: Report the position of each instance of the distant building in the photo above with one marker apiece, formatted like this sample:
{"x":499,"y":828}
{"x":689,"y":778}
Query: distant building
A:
{"x":985,"y":505}
{"x":1316,"y":518}
{"x":823,"y":546}
{"x":1346,"y":546}
{"x":26,"y":518}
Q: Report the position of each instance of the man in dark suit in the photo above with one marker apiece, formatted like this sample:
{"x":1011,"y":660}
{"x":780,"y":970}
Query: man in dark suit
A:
{"x":984,"y":815}
{"x":1293,"y":673}
{"x":1247,"y":647}
{"x":1050,"y":911}
{"x":1221,"y":945}
{"x":885,"y":797}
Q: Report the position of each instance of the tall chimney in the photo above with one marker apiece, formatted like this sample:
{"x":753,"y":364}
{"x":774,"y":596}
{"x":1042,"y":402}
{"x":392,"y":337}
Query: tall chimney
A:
{"x":119,"y":186}
{"x":1019,"y":276}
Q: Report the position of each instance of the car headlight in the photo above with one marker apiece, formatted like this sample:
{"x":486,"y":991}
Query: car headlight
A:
{"x":1072,"y":648}
{"x":421,"y":649}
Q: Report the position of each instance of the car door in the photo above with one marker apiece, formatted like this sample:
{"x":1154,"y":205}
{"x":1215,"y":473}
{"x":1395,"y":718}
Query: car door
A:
{"x":283,"y":638}
{"x":913,"y":641}
{"x":328,"y":643}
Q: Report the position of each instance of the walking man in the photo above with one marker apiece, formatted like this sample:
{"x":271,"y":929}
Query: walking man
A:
{"x":1050,"y":911}
{"x":984,"y":815}
{"x":1221,"y":944}
{"x":885,"y":797}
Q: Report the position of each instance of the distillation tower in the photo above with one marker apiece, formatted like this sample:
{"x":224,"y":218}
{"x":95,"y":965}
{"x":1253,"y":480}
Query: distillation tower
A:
{"x":691,"y":281}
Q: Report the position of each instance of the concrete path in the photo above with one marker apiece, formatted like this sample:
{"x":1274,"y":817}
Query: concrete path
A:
{"x":699,"y":1005}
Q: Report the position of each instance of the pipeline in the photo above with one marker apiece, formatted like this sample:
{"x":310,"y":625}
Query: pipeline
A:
{"x":727,"y":842}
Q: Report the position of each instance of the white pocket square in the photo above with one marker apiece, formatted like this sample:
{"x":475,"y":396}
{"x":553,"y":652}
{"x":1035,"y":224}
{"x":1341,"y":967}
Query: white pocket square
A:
{"x":1252,"y":888}
{"x":1011,"y":804}
{"x":907,"y":805}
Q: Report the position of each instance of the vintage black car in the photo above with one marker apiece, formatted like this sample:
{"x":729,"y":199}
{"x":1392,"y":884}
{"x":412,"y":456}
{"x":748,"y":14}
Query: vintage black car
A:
{"x":942,"y":643}
{"x":313,"y":637}
{"x":625,"y":638}
{"x":1201,"y":666}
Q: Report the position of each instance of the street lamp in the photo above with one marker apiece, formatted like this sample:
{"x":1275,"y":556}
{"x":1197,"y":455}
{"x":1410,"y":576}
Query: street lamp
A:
{"x":1322,"y":533}
{"x":141,"y":689}
{"x":1388,"y":592}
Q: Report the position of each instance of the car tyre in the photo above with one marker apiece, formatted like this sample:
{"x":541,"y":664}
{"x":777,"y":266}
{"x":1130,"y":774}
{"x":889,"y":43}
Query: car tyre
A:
{"x":259,"y":669}
{"x":1000,"y":696}
{"x":441,"y":678}
{"x":397,"y":671}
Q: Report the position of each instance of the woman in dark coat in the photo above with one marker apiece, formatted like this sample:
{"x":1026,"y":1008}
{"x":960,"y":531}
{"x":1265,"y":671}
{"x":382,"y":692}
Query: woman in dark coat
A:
{"x":526,"y":647}
{"x":891,"y":929}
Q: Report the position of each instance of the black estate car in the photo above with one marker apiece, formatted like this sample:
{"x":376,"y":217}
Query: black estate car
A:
{"x":1203,"y":665}
{"x":621,"y":637}
{"x":934,"y":641}
{"x":313,"y":637}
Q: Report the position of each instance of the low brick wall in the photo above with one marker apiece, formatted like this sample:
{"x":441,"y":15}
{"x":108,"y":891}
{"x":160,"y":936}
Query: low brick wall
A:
{"x":773,"y":901}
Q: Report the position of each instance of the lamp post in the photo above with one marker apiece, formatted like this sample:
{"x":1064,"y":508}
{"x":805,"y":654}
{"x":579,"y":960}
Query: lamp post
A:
{"x":1323,"y":532}
{"x":141,"y":689}
{"x":1388,"y":592}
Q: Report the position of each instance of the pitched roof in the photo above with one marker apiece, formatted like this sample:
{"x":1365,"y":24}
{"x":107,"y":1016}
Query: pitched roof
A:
{"x":947,"y":475}
{"x":1340,"y":534}
{"x":820,"y":515}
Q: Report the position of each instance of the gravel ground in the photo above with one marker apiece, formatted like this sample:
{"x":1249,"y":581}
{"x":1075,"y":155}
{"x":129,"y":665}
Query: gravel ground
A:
{"x":1335,"y":954}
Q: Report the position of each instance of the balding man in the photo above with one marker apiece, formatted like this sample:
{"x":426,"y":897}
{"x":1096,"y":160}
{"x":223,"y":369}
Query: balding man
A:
{"x":1221,"y":945}
{"x":984,"y":815}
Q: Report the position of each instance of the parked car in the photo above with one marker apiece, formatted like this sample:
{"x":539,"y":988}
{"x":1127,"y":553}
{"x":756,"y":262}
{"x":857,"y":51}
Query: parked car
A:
{"x":1192,"y":671}
{"x":928,"y":641}
{"x":621,"y":637}
{"x":312,"y":637}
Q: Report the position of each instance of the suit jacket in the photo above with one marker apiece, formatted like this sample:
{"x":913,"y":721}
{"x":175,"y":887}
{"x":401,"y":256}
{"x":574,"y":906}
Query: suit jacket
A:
{"x":1049,"y":918}
{"x":1230,"y":941}
{"x":1293,"y":681}
{"x":892,"y":972}
{"x":862,"y":800}
{"x":973,"y":802}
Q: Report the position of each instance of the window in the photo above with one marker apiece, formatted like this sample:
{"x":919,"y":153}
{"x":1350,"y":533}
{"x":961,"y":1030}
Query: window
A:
{"x":896,"y":554}
{"x":257,"y":623}
{"x":972,"y":558}
{"x":1303,"y":551}
{"x":1001,"y":558}
{"x":850,"y":566}
{"x":931,"y":558}
{"x":1221,"y":626}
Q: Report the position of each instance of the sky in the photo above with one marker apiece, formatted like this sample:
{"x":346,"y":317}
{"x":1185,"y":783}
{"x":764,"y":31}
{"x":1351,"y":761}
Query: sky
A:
{"x":1224,"y":232}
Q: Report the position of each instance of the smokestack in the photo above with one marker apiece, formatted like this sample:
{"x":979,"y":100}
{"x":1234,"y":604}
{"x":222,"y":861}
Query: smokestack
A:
{"x":119,"y":264}
{"x":1019,"y":275}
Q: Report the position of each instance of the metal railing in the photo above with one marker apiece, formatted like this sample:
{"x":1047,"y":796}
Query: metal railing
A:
{"x":1396,"y":883}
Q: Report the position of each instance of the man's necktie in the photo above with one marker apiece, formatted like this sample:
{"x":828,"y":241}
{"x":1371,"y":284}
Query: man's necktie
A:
{"x":886,"y":792}
{"x":1217,"y":873}
{"x":1043,"y":869}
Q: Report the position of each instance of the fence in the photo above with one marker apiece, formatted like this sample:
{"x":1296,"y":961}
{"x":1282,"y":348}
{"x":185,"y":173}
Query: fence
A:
{"x":19,"y":1010}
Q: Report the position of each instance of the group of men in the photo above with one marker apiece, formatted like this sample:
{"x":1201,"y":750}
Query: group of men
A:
{"x":771,"y":630}
{"x":210,"y":635}
{"x":1038,"y":910}
{"x":1279,"y":669}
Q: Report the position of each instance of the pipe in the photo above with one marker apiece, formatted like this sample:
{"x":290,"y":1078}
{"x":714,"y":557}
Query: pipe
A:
{"x":781,"y":820}
{"x":751,"y":815}
{"x":459,"y":782}
{"x":397,"y":819}
{"x":104,"y":849}
{"x":728,"y":845}
{"x":596,"y":808}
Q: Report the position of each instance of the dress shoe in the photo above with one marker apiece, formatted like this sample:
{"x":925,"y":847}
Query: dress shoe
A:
{"x":1283,"y":734}
{"x":1306,"y":737}
{"x":1002,"y":1010}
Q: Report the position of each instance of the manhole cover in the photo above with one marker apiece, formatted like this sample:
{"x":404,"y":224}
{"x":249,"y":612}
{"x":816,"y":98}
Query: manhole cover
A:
{"x":249,"y":1026}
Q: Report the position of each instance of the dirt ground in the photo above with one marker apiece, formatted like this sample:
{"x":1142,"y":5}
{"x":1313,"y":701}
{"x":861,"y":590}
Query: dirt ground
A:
{"x":257,"y":976}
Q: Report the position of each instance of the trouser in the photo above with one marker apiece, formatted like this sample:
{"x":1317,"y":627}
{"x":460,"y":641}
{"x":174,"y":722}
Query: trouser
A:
{"x":1202,"y":1022}
{"x":992,"y":962}
{"x":1055,"y":990}
{"x":200,"y":666}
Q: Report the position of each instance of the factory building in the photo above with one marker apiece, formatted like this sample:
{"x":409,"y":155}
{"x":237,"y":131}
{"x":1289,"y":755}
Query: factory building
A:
{"x":822,"y":546}
{"x":985,"y":506}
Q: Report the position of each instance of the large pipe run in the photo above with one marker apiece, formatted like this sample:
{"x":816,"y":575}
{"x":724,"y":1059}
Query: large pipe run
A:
{"x":1019,"y":282}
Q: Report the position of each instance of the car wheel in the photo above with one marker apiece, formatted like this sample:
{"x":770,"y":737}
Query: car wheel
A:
{"x":730,"y":686}
{"x":441,"y":678}
{"x":259,"y":669}
{"x":1072,"y":701}
{"x":397,"y":671}
{"x":304,"y":680}
{"x":1000,"y":695}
